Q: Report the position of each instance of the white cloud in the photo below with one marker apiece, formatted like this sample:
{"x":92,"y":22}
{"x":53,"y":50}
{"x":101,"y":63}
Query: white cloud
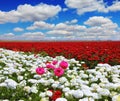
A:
{"x":65,"y":29}
{"x":64,"y":9}
{"x":63,"y":26}
{"x":7,"y":36}
{"x":24,"y":36}
{"x":101,"y":28}
{"x":40,"y":25}
{"x":59,"y":32}
{"x":68,"y":25}
{"x":95,"y":28}
{"x":18,"y":29}
{"x":100,"y":21}
{"x":33,"y":35}
{"x":74,"y":21}
{"x":29,"y":13}
{"x":84,"y":6}
{"x":115,"y":7}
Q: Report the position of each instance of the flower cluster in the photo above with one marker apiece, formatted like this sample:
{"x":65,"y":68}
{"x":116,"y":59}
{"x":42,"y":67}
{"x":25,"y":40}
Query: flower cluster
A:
{"x":29,"y":77}
{"x":57,"y":68}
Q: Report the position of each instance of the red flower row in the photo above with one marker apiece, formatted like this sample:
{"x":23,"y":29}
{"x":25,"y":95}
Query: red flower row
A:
{"x":106,"y":52}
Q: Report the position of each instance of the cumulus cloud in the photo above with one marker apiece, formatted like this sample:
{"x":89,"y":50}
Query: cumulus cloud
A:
{"x":114,"y":7}
{"x":64,"y":9}
{"x":101,"y":28}
{"x":33,"y":36}
{"x":24,"y":36}
{"x":95,"y":28}
{"x":7,"y":36}
{"x":84,"y":6}
{"x":68,"y":26}
{"x":101,"y":21}
{"x":40,"y":25}
{"x":63,"y":26}
{"x":59,"y":32}
{"x":74,"y":21}
{"x":64,"y":29}
{"x":18,"y":29}
{"x":29,"y":13}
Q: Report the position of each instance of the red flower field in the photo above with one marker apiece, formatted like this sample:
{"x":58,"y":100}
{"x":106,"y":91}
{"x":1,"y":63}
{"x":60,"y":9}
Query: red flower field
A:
{"x":90,"y":52}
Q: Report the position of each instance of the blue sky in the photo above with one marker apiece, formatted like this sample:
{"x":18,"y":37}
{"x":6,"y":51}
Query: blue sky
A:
{"x":59,"y":20}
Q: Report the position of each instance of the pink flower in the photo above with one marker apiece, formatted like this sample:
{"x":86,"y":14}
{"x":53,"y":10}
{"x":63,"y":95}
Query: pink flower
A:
{"x":40,"y":70}
{"x":59,"y":71}
{"x":50,"y":66}
{"x":35,"y":55}
{"x":54,"y":62}
{"x":63,"y":64}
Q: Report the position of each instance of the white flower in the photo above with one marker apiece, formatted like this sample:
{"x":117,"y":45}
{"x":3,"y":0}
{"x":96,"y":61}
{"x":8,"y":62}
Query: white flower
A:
{"x":102,"y":85}
{"x":54,"y":85}
{"x":44,"y":99}
{"x":84,"y":76}
{"x":91,"y":71}
{"x":87,"y":92}
{"x":116,"y":98}
{"x":20,"y":78}
{"x":62,"y":80}
{"x":78,"y":64}
{"x":37,"y":76}
{"x":51,"y":80}
{"x":3,"y":84}
{"x":113,"y":93}
{"x":104,"y":80}
{"x":115,"y":79}
{"x":5,"y":72}
{"x":32,"y":81}
{"x":42,"y":94}
{"x":27,"y":89}
{"x":109,"y":85}
{"x":34,"y":89}
{"x":87,"y":99}
{"x":66,"y":89}
{"x":49,"y":93}
{"x":96,"y":96}
{"x":104,"y":92}
{"x":61,"y":86}
{"x":82,"y":62}
{"x":100,"y":65}
{"x":22,"y":83}
{"x":61,"y":99}
{"x":67,"y":94}
{"x":5,"y":100}
{"x":43,"y":81}
{"x":93,"y":79}
{"x":11,"y":83}
{"x":77,"y":94}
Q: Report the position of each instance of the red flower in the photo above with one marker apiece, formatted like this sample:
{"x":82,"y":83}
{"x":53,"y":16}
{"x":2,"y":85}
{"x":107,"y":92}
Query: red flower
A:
{"x":56,"y":94}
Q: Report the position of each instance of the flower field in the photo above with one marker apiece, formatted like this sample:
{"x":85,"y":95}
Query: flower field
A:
{"x":90,"y":52}
{"x":60,"y":71}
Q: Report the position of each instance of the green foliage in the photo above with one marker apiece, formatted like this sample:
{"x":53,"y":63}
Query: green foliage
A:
{"x":17,"y":94}
{"x":2,"y":64}
{"x":43,"y":53}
